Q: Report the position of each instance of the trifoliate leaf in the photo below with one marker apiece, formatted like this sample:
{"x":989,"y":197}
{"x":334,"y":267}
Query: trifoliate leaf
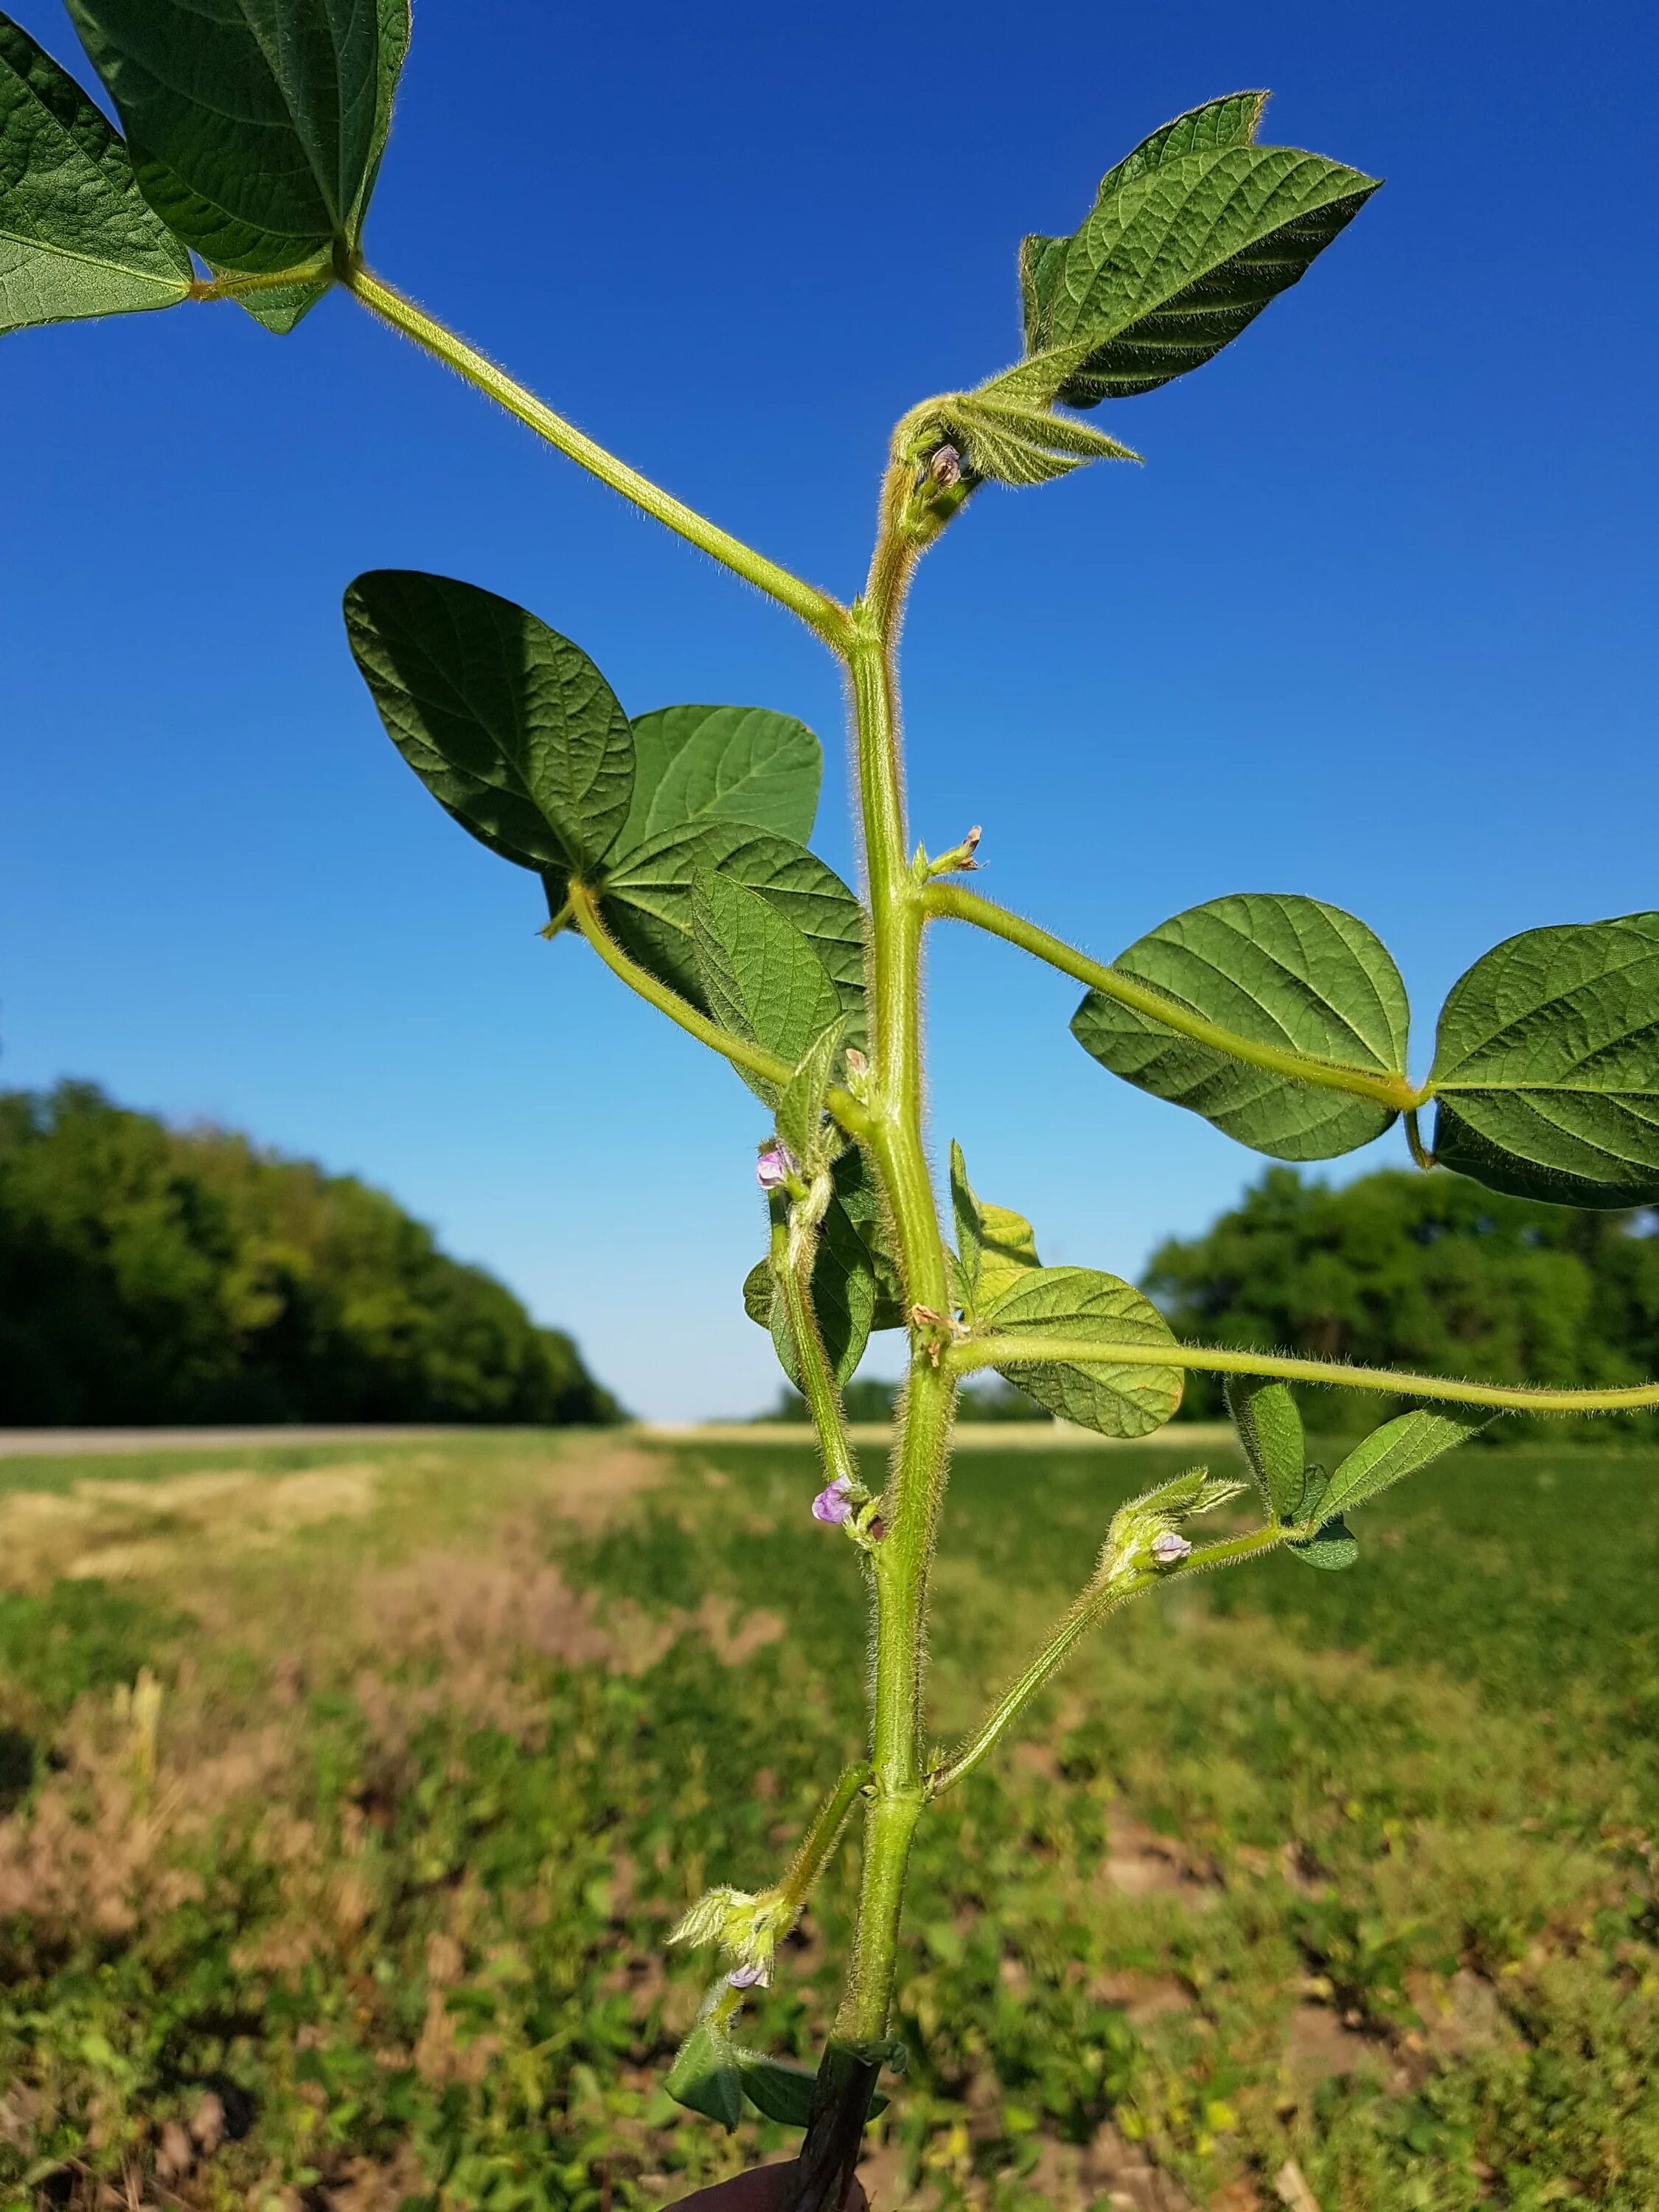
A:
{"x":995,"y":1245}
{"x":1280,"y":971}
{"x":510,"y":726}
{"x":257,"y":126}
{"x":1546,"y":1065}
{"x":1191,"y":235}
{"x":1398,"y":1448}
{"x":800,"y":1121}
{"x":1270,"y":1430}
{"x":76,"y":237}
{"x":705,"y":2077}
{"x":761,"y":979}
{"x":1334,"y":1547}
{"x":736,"y":763}
{"x":1080,"y":1302}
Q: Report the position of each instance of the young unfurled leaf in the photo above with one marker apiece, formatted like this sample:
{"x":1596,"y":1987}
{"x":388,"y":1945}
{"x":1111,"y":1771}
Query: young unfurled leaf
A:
{"x":801,"y":1103}
{"x":761,"y":979}
{"x":784,"y":2093}
{"x":1270,"y":1430}
{"x":705,"y":2076}
{"x":1191,"y":235}
{"x":737,"y":763}
{"x":1333,"y":1547}
{"x":1080,"y":1302}
{"x":1193,"y":1491}
{"x":256,"y":129}
{"x":1398,"y":1448}
{"x":1007,"y":438}
{"x":76,"y":237}
{"x":1546,"y":1065}
{"x":647,"y":902}
{"x":509,"y":725}
{"x":995,"y":1245}
{"x":1280,"y":971}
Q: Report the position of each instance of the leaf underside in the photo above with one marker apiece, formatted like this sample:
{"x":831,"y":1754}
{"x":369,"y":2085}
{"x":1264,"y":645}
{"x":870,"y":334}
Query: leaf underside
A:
{"x":1546,"y":1065}
{"x":761,"y":978}
{"x":1081,"y":1302}
{"x":1190,"y":237}
{"x":1279,"y":970}
{"x":257,"y":126}
{"x":76,"y":236}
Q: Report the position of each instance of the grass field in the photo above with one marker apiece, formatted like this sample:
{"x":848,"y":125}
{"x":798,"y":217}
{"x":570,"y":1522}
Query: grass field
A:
{"x":346,"y":1794}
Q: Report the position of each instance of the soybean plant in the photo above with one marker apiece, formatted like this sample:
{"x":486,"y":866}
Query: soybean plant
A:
{"x":673,"y":844}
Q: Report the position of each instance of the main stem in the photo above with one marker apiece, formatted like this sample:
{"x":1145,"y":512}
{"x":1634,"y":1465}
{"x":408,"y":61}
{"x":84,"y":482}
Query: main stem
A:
{"x":902,"y":1559}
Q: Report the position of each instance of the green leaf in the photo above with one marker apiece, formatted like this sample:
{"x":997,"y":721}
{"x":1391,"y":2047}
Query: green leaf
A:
{"x":801,"y":1105}
{"x":647,"y":896}
{"x":282,"y":309}
{"x":1546,"y":1065}
{"x":705,"y":2076}
{"x":996,"y":1245}
{"x":844,"y":1297}
{"x":761,"y":979}
{"x":1334,"y":1547}
{"x":1398,"y":1448}
{"x":784,"y":2093}
{"x":856,"y":1194}
{"x":76,"y":238}
{"x":1080,"y":1302}
{"x":1190,"y":237}
{"x":1193,"y":1491}
{"x":737,"y":763}
{"x":257,"y":126}
{"x":1270,"y":1429}
{"x":1275,"y":970}
{"x":509,"y":725}
{"x":1008,"y":438}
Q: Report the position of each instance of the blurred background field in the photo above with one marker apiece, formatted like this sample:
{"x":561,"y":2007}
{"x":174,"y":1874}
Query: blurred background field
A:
{"x":347,"y":1794}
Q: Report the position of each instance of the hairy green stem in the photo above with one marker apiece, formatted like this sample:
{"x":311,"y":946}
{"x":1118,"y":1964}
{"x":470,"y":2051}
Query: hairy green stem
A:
{"x":584,"y":909}
{"x":795,"y":1249}
{"x":995,"y":1351}
{"x":820,"y":1839}
{"x":950,"y":901}
{"x":233,"y":285}
{"x":825,"y":616}
{"x":1088,"y":1609}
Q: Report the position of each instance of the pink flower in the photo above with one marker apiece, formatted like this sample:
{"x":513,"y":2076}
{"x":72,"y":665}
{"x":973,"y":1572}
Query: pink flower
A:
{"x":834,"y":1505}
{"x":748,"y":1977}
{"x":774,"y":1167}
{"x":1169,"y":1549}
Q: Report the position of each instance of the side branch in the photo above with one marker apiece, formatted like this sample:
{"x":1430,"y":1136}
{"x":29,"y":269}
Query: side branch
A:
{"x":951,"y":902}
{"x":1214,"y":1359}
{"x":822,"y":614}
{"x":584,"y":909}
{"x":1098,"y":1597}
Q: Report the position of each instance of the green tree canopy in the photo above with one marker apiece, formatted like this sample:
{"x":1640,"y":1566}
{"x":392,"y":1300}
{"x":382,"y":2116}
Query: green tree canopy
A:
{"x":1428,"y":1271}
{"x":149,"y":1274}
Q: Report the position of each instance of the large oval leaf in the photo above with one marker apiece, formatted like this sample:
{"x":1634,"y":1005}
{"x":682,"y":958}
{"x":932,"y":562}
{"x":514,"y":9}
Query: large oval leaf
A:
{"x":257,"y":126}
{"x":1081,"y":1302}
{"x":647,"y":902}
{"x":1190,"y":237}
{"x":76,"y":237}
{"x":1546,"y":1065}
{"x":1278,"y":971}
{"x":509,"y":725}
{"x":733,"y":763}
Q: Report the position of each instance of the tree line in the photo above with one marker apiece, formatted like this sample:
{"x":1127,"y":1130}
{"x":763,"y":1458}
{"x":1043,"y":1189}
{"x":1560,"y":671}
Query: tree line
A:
{"x":149,"y":1274}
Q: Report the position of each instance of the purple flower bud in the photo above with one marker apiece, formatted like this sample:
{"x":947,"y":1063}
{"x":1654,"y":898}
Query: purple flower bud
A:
{"x":1169,"y":1547}
{"x":833,"y":1504}
{"x":748,"y":1977}
{"x":945,"y":466}
{"x":774,"y":1167}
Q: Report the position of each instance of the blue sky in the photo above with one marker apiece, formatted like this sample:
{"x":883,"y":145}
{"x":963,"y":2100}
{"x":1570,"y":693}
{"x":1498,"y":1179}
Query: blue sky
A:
{"x":1374,"y":622}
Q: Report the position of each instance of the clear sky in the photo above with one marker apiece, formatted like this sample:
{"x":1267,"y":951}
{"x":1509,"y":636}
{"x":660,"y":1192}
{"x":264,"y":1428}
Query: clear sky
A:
{"x":1374,"y":622}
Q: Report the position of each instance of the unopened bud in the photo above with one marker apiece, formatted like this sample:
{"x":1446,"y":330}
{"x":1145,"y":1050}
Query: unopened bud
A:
{"x":1169,"y":1549}
{"x":945,"y":467}
{"x":748,"y":1977}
